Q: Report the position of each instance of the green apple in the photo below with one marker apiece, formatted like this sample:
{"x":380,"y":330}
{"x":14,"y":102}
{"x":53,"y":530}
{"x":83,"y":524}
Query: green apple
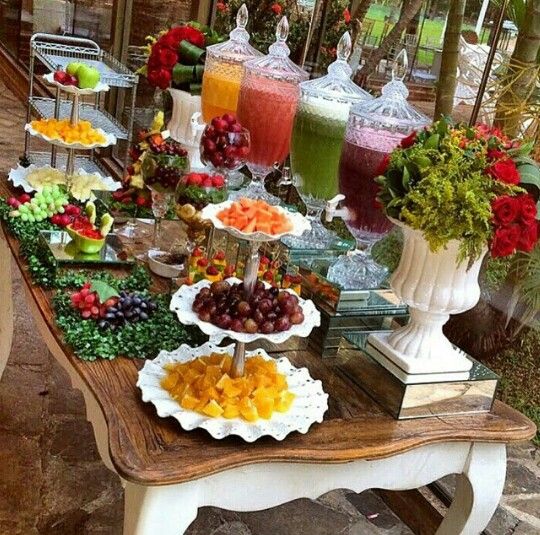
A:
{"x":88,"y":77}
{"x":73,"y":67}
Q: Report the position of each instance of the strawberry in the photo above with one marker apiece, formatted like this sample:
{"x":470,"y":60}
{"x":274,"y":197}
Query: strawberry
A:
{"x":207,"y":183}
{"x":212,"y":270}
{"x":218,"y":181}
{"x":194,"y":179}
{"x":220,"y":255}
{"x":203,"y":262}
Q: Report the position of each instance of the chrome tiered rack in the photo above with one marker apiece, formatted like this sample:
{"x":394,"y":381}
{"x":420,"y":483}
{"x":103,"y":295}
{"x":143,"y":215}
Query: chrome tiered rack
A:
{"x":56,"y":51}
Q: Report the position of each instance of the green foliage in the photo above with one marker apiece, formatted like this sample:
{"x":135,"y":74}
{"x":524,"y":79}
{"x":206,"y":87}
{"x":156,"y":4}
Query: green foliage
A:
{"x":439,"y":186}
{"x":387,"y":251}
{"x":136,"y":340}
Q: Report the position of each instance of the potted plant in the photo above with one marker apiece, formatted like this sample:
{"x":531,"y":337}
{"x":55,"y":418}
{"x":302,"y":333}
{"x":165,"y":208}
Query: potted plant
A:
{"x":176,"y":63}
{"x":457,"y":192}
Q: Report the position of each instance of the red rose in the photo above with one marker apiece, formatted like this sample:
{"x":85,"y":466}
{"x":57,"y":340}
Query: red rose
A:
{"x":221,"y":6}
{"x":408,"y":141}
{"x":505,"y":171}
{"x":383,"y":165}
{"x":495,"y":154}
{"x":169,"y":40}
{"x":153,"y":61}
{"x":529,"y":237}
{"x":346,"y":15}
{"x":168,"y":58}
{"x":505,"y":241}
{"x":175,"y":35}
{"x":527,"y":208}
{"x":276,"y":8}
{"x":160,"y":78}
{"x":505,"y":210}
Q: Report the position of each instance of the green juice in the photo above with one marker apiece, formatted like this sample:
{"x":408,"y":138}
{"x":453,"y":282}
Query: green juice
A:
{"x":316,"y":144}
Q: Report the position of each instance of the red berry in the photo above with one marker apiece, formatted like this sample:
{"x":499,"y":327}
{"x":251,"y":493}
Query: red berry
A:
{"x":140,"y":200}
{"x":230,"y":118}
{"x":65,"y":220}
{"x":86,"y":314}
{"x":194,"y":179}
{"x":235,"y":128}
{"x":220,"y":255}
{"x":218,"y":181}
{"x":209,"y":146}
{"x":24,"y":198}
{"x":217,"y":159}
{"x":75,"y":298}
{"x":207,"y":183}
{"x":220,"y":125}
{"x":212,"y":270}
{"x":85,"y":291}
{"x":243,"y":151}
{"x":203,"y":262}
{"x":230,"y":151}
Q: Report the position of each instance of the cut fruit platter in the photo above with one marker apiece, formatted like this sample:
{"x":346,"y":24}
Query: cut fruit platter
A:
{"x":230,"y":390}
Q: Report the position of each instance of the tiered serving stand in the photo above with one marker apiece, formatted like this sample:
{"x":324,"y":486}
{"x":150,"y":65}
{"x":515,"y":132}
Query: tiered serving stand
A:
{"x":56,"y":51}
{"x":310,"y":402}
{"x":76,"y":93}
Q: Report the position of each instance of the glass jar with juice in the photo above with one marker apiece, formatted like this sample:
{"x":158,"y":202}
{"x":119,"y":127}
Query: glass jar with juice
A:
{"x":317,"y":139}
{"x":224,"y":68}
{"x":268,"y":99}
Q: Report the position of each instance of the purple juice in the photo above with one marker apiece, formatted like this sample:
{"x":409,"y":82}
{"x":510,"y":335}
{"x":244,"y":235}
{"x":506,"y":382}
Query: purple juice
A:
{"x":363,"y":152}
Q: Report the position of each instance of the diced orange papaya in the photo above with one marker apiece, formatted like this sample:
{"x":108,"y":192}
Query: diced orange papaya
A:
{"x":213,"y":409}
{"x":189,"y":402}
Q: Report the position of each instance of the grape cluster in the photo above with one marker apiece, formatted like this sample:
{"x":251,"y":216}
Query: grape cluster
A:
{"x":166,"y":177}
{"x":47,"y":202}
{"x":128,"y":308}
{"x":169,"y":146}
{"x":268,"y":310}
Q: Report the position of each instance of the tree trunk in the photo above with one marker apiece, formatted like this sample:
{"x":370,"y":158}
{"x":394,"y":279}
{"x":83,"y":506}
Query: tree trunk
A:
{"x":519,"y":82}
{"x":446,"y":87}
{"x":408,"y":11}
{"x":360,"y":12}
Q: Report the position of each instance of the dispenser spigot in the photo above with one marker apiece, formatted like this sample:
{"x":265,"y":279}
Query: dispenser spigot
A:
{"x":332,"y":209}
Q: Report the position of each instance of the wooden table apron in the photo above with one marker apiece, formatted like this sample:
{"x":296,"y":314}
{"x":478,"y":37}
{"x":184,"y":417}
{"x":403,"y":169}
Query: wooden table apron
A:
{"x":168,"y":474}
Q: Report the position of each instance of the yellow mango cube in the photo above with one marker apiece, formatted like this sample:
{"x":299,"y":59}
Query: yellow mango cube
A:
{"x":213,"y":409}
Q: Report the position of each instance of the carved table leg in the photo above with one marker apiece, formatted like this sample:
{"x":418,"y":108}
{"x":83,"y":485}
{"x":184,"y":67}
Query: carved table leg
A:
{"x":167,"y":510}
{"x":6,"y":308}
{"x":478,"y":492}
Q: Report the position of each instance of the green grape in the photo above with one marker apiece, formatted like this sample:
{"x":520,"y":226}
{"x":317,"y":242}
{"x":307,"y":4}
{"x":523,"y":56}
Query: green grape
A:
{"x":24,"y":217}
{"x":34,"y":201}
{"x":31,"y":218}
{"x":60,"y":210}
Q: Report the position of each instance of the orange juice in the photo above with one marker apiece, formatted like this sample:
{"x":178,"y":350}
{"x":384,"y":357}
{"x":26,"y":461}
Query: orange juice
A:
{"x":220,"y":91}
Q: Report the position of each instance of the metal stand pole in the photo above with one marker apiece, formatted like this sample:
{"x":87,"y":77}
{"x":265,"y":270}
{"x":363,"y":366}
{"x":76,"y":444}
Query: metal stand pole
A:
{"x":250,"y":279}
{"x":489,"y":62}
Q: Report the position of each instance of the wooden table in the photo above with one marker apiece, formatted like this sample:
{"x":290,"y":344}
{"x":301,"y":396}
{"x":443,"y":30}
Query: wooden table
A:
{"x":169,"y":473}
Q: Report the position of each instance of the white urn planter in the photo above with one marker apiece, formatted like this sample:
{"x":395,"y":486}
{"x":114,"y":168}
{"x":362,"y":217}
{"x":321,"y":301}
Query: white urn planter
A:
{"x":185,"y":126}
{"x":433,"y":285}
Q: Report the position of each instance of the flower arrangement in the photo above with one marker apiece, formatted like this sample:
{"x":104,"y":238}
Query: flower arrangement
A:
{"x":176,"y":57}
{"x":470,"y":184}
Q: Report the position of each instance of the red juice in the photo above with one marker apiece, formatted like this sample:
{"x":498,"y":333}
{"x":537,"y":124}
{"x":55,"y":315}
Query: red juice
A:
{"x":363,"y":151}
{"x":266,"y":108}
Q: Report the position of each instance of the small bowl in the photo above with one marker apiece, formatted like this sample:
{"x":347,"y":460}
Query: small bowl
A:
{"x":164,"y":269}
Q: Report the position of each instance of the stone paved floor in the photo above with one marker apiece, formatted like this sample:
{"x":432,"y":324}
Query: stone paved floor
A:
{"x":52,"y":481}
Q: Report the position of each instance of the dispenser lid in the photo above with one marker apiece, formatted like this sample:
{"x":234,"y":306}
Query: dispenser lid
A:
{"x":237,"y":48}
{"x":276,"y":64}
{"x":391,"y":110}
{"x":337,"y":84}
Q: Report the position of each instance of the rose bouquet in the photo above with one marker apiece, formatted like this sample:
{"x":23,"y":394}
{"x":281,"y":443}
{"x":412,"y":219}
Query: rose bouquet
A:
{"x":176,"y":57}
{"x":470,"y":184}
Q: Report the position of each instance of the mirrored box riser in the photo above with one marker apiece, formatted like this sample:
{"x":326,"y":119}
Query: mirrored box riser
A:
{"x":415,"y":400}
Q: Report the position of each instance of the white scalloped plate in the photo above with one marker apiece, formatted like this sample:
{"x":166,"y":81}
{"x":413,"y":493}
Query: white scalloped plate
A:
{"x":110,"y":139}
{"x":308,"y":407}
{"x":299,"y":222}
{"x":100,"y":87}
{"x":18,"y":176}
{"x":182,"y":302}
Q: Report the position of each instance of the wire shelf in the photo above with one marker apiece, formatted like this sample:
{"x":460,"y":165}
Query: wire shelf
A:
{"x":58,"y":54}
{"x":81,"y":162}
{"x":44,"y":108}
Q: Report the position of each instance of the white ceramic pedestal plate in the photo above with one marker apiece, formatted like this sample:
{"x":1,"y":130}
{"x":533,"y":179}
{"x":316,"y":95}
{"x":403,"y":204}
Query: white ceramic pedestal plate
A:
{"x":310,"y":403}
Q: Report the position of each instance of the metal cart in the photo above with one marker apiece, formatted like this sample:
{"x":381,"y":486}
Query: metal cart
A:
{"x":56,"y":51}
